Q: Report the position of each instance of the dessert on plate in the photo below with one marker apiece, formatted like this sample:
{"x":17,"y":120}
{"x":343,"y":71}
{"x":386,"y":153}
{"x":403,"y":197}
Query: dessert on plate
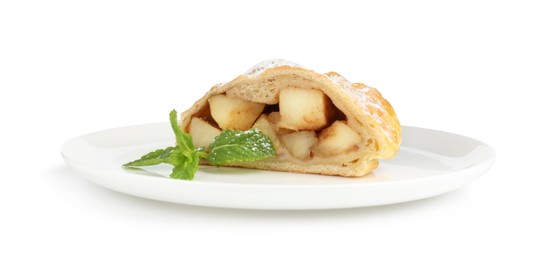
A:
{"x":318,"y":123}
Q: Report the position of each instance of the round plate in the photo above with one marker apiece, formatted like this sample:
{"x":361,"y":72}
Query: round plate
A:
{"x":429,"y":163}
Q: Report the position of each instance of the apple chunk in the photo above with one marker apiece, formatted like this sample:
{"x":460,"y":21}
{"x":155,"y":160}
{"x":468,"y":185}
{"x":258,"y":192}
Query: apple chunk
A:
{"x":234,"y":113}
{"x":304,"y":109}
{"x":274,"y":119}
{"x":203,"y":133}
{"x":337,"y":138}
{"x":299,"y":144}
{"x":269,"y":129}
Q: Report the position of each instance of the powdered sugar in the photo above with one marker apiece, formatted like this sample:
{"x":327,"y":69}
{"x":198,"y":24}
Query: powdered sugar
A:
{"x":268,"y":64}
{"x":360,"y":94}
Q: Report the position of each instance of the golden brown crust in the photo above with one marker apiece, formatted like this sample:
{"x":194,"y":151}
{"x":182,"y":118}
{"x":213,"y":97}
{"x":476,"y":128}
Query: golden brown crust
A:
{"x":364,"y":107}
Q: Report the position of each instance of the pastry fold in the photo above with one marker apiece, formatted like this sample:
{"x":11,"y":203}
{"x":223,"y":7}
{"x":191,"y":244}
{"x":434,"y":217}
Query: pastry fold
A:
{"x":319,"y":123}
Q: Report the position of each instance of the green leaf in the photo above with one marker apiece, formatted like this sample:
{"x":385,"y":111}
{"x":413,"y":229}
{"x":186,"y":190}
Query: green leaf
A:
{"x":240,"y":146}
{"x":152,"y":158}
{"x":186,"y":169}
{"x":176,"y":157}
{"x":183,"y":140}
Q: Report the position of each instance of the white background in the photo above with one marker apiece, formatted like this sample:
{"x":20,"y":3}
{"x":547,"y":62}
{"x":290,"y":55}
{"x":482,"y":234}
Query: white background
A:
{"x":476,"y":68}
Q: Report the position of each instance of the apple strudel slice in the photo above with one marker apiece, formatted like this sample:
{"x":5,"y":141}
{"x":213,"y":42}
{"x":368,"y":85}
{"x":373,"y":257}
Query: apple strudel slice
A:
{"x":318,"y":123}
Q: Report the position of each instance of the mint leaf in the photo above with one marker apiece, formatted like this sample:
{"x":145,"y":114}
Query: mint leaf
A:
{"x":240,"y":146}
{"x":186,"y":169}
{"x":183,"y":140}
{"x":152,"y":158}
{"x":185,"y":158}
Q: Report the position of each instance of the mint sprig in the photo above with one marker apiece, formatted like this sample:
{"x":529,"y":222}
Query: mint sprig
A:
{"x":240,"y":146}
{"x":229,"y":146}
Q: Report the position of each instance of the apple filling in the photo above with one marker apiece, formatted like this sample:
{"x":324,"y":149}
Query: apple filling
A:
{"x":305,"y":126}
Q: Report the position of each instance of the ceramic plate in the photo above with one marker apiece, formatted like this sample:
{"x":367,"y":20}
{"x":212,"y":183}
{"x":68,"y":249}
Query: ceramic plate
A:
{"x":429,"y":163}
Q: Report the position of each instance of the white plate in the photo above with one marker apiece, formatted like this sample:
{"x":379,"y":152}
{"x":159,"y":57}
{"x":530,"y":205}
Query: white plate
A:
{"x":429,"y":163}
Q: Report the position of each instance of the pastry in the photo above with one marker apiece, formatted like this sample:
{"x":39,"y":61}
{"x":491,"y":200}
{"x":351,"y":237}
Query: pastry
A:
{"x":318,"y":123}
